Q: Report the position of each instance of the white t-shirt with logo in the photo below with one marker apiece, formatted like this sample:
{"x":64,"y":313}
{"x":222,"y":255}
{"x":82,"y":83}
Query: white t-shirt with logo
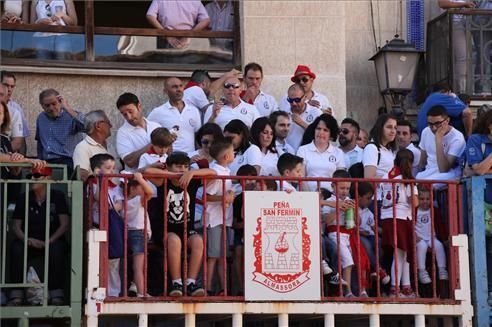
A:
{"x":252,"y":156}
{"x":266,"y":104}
{"x":386,"y":159}
{"x":214,"y":209}
{"x":353,"y":156}
{"x":294,"y":138}
{"x":321,"y":164}
{"x":403,"y":205}
{"x":366,"y":221}
{"x":423,"y":224}
{"x":187,"y":122}
{"x":417,"y":153}
{"x":269,"y":164}
{"x":245,"y":112}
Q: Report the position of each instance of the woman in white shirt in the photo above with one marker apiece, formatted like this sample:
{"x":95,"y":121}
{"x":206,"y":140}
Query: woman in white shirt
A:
{"x":262,"y":135}
{"x":15,"y":11}
{"x":321,"y":158}
{"x":204,"y":137}
{"x":379,"y":154}
{"x":53,"y":12}
{"x":245,"y":152}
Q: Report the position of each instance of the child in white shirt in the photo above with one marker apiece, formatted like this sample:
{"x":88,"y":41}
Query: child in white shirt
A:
{"x":161,"y":141}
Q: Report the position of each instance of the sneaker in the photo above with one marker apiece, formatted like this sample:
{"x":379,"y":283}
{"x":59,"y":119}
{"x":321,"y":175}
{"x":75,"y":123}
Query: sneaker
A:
{"x":176,"y":290}
{"x":349,"y":295}
{"x":443,"y":274}
{"x":424,"y":277}
{"x":326,"y":268}
{"x":194,"y":290}
{"x":144,"y":295}
{"x":132,"y":290}
{"x":385,"y":278}
{"x":363,"y":294}
{"x":335,"y":280}
{"x":407,"y":293}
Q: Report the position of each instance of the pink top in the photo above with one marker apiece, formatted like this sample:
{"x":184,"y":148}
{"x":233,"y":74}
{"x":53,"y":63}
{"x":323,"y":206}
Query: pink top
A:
{"x":178,"y":14}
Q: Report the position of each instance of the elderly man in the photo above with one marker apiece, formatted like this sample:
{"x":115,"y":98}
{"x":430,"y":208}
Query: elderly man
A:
{"x":133,"y":137}
{"x":301,"y":114}
{"x":178,"y":116}
{"x":231,"y":106}
{"x":349,"y":132}
{"x":441,"y":146}
{"x":98,"y":129}
{"x":178,"y":15}
{"x":305,"y":78}
{"x":17,"y":115}
{"x":253,"y":76}
{"x":58,"y":129}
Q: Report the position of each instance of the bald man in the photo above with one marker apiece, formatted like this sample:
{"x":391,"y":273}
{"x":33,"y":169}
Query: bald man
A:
{"x":231,"y":107}
{"x":181,"y":118}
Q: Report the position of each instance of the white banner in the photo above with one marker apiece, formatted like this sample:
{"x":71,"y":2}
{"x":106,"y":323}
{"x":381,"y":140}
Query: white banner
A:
{"x":281,"y":246}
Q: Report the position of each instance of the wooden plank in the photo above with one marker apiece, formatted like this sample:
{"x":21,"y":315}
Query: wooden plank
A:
{"x":42,"y":28}
{"x":157,"y":32}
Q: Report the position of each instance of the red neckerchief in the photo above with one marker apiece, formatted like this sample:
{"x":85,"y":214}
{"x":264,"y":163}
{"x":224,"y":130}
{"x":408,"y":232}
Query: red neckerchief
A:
{"x":394,"y":172}
{"x":242,"y":94}
{"x":151,"y":151}
{"x":190,"y":84}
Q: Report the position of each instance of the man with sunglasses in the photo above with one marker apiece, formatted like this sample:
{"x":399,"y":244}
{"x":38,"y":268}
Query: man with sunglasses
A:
{"x":305,"y":78}
{"x":231,"y":107}
{"x":301,"y":114}
{"x":441,"y":145}
{"x":347,"y":138}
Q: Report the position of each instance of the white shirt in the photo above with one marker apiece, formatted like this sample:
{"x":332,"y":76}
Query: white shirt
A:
{"x":268,"y":164}
{"x":136,"y":215}
{"x":417,"y":153}
{"x":323,"y":101}
{"x":386,"y":161}
{"x":84,"y":151}
{"x":130,"y":138}
{"x":286,"y":186}
{"x":321,"y":164}
{"x":196,"y":96}
{"x":453,"y":143}
{"x":423,"y":224}
{"x":283,"y":148}
{"x":403,"y":205}
{"x":252,"y":156}
{"x":353,"y":156}
{"x":188,"y":122}
{"x":366,"y":221}
{"x":294,"y":138}
{"x":215,"y":187}
{"x":114,"y":193}
{"x":148,"y":159}
{"x":15,"y":106}
{"x":329,"y":210}
{"x":266,"y":104}
{"x":245,"y":112}
{"x":16,"y":124}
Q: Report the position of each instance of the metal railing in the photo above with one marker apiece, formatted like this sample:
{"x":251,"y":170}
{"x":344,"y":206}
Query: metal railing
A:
{"x":71,"y":308}
{"x":459,"y":51}
{"x":444,"y":298}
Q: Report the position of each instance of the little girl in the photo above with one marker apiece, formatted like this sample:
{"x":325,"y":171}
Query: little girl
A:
{"x":402,"y":207}
{"x":139,"y":192}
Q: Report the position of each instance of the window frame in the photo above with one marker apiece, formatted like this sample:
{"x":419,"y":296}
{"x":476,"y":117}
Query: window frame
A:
{"x":89,"y":31}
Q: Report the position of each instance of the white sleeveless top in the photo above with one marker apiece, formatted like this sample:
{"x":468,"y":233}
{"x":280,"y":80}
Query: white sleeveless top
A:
{"x":45,"y":10}
{"x":13,"y":6}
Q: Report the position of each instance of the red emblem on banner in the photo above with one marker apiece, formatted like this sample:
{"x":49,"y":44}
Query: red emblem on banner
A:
{"x":281,"y":249}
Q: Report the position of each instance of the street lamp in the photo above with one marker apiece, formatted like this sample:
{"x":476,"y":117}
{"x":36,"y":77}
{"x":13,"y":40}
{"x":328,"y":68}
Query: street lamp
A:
{"x":396,"y":65}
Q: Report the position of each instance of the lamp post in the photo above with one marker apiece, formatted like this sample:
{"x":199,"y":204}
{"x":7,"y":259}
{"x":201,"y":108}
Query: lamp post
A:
{"x":396,"y":65}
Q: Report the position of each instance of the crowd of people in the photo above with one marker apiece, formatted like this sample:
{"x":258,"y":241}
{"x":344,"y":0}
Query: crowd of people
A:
{"x":230,"y":127}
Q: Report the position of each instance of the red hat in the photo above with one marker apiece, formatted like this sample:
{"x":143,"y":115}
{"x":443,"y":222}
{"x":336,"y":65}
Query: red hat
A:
{"x":302,"y":70}
{"x":45,"y":171}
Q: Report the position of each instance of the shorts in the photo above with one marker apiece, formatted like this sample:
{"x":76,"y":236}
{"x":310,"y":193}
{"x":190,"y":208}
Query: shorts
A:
{"x":215,"y":247}
{"x":180,"y":234}
{"x":345,"y":250}
{"x":136,"y":241}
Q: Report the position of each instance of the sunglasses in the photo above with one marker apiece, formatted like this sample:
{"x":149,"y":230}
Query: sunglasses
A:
{"x":292,"y":100}
{"x":48,"y":10}
{"x":231,"y":85}
{"x":304,"y":80}
{"x":344,"y":131}
{"x":436,"y":124}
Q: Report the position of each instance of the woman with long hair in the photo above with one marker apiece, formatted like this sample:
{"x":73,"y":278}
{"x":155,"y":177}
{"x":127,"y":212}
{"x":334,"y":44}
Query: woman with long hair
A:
{"x":263,"y":136}
{"x":379,"y":154}
{"x":321,"y":158}
{"x":245,"y":152}
{"x":204,"y":138}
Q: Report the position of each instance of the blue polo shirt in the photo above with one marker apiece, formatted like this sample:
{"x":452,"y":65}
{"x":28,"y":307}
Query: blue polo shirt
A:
{"x":475,"y":154}
{"x":454,"y":106}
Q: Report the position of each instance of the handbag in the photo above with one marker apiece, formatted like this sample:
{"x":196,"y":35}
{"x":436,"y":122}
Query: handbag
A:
{"x":116,"y":233}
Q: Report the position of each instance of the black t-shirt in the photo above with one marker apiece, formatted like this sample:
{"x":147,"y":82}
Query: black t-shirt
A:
{"x":37,"y":213}
{"x":175,"y":213}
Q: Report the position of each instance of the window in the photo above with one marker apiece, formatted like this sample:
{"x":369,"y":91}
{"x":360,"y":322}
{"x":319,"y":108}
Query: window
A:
{"x":117,"y":34}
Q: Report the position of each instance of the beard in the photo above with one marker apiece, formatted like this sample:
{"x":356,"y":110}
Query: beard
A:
{"x":344,"y":141}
